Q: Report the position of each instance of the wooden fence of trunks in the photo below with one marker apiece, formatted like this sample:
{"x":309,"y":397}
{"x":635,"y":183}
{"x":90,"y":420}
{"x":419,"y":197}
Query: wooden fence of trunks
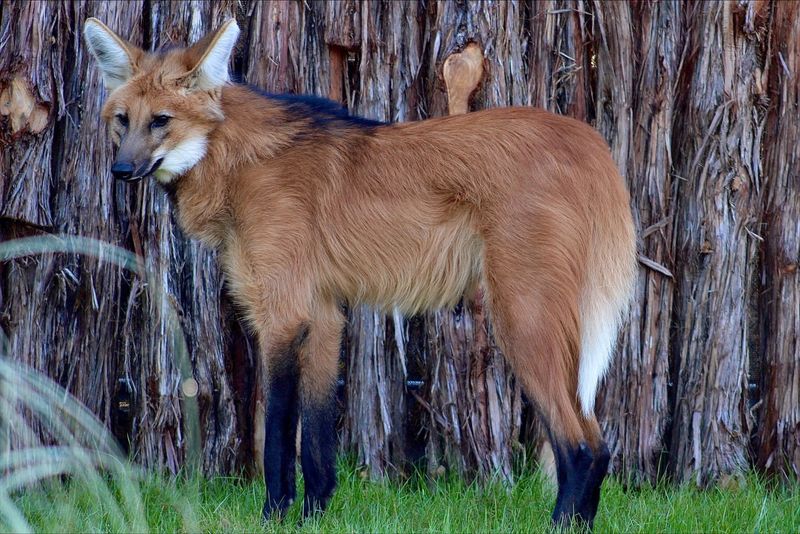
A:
{"x":699,"y":102}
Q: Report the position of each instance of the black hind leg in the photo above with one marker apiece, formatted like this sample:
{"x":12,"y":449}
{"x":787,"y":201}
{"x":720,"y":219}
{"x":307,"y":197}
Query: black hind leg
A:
{"x":597,"y":473}
{"x":318,"y":452}
{"x":573,"y":464}
{"x":581,"y":471}
{"x":319,"y":360}
{"x":280,"y":449}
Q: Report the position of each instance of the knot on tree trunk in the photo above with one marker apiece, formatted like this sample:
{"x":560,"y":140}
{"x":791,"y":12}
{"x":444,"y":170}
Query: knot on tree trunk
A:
{"x":20,"y":106}
{"x":462,"y":75}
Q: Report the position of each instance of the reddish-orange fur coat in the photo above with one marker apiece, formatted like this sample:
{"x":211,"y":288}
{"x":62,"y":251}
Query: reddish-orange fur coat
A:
{"x":527,"y":203}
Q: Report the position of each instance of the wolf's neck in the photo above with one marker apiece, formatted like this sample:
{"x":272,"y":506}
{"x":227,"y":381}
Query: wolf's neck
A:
{"x":253,"y":131}
{"x":250,"y":134}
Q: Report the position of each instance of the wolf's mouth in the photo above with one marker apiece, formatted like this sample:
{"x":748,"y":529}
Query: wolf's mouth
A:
{"x":142,"y":173}
{"x":154,"y":168}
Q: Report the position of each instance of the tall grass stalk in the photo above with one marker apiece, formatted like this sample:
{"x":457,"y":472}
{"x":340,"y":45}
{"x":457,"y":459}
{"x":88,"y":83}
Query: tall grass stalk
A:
{"x":76,"y":448}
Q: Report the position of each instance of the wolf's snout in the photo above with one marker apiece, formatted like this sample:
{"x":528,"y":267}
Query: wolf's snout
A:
{"x":131,"y":172}
{"x":122,"y":171}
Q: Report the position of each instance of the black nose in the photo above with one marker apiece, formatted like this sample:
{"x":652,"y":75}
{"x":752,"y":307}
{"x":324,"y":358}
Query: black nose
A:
{"x":122,"y":171}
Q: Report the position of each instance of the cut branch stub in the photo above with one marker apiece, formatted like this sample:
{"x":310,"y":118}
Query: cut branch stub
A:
{"x":462,"y":74}
{"x":20,"y":105}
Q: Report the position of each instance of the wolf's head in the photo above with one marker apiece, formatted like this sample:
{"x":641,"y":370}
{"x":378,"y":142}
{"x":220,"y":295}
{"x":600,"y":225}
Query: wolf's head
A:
{"x":161,"y":107}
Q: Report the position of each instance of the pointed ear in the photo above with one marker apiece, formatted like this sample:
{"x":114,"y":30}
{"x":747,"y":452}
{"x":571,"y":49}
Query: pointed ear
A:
{"x":115,"y":56}
{"x":210,"y":71}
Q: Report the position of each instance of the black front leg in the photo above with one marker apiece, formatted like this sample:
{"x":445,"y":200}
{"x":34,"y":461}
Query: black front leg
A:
{"x":318,"y":451}
{"x":280,"y":449}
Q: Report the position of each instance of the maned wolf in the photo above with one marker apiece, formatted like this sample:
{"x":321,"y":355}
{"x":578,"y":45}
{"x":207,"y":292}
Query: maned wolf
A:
{"x":310,"y":208}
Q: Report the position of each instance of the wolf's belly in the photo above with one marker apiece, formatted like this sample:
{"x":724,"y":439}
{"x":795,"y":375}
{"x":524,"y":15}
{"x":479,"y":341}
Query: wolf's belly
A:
{"x":411,"y":265}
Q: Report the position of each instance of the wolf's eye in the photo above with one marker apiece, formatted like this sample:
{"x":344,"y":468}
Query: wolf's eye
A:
{"x":159,"y":121}
{"x":123,"y":119}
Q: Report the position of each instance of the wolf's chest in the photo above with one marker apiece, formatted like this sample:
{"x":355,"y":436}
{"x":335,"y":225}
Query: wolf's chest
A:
{"x":201,"y":215}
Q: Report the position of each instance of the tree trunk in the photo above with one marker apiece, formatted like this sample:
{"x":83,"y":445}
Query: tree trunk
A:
{"x":285,"y":49}
{"x":779,"y":428}
{"x":82,"y":306}
{"x":60,"y":312}
{"x":375,"y":420}
{"x":190,"y":277}
{"x":559,"y":81}
{"x":718,"y":213}
{"x":473,"y":400}
{"x":678,"y":90}
{"x":31,"y":78}
{"x":634,"y":406}
{"x":375,"y":408}
{"x":559,"y":74}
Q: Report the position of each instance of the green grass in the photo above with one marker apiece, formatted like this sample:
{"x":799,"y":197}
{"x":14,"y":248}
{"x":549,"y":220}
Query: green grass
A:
{"x":228,"y":504}
{"x":119,"y":500}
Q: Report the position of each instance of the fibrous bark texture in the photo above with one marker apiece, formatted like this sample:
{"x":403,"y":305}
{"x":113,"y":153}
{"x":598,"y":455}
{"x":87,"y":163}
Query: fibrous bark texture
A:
{"x":633,"y":405}
{"x":698,"y":101}
{"x":718,"y":149}
{"x":779,"y":428}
